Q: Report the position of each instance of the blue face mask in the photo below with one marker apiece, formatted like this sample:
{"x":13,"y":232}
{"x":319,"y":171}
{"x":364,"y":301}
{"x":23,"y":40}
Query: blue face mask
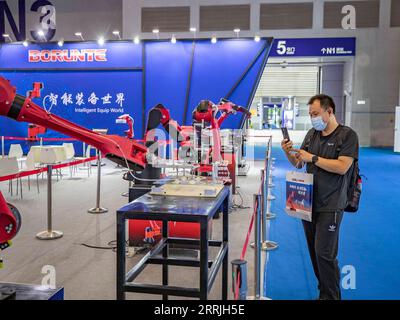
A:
{"x":318,"y":123}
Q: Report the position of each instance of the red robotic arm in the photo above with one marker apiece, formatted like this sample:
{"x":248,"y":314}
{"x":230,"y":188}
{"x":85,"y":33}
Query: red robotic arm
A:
{"x":10,"y":222}
{"x":127,"y":119}
{"x":227,"y":108}
{"x":123,"y":151}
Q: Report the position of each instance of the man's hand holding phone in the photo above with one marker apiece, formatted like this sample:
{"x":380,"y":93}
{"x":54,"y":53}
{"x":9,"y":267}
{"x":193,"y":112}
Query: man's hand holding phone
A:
{"x":287,"y":145}
{"x":293,"y":155}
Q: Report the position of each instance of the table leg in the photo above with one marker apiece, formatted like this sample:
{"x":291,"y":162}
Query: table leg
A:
{"x":204,"y":260}
{"x":225,"y":239}
{"x":121,"y":269}
{"x":165,"y":255}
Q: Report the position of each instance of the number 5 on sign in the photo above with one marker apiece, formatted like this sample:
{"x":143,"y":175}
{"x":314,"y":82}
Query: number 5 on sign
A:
{"x":281,"y":47}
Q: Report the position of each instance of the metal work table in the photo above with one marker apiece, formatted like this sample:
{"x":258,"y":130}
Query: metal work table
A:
{"x":31,"y":292}
{"x":179,"y":209}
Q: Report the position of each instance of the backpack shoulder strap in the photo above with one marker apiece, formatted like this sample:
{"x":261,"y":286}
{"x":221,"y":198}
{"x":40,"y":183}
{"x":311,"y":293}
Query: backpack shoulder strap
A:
{"x":309,"y":137}
{"x":341,"y":136}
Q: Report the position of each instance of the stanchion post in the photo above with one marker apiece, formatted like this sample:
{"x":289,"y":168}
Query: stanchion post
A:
{"x":268,"y":245}
{"x":49,"y":234}
{"x":98,"y":209}
{"x":264,"y":193}
{"x":239,"y":271}
{"x":257,"y":247}
{"x":270,"y":197}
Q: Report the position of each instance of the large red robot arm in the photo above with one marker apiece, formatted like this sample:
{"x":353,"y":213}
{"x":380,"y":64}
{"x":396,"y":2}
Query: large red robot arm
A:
{"x":10,"y":222}
{"x":121,"y":150}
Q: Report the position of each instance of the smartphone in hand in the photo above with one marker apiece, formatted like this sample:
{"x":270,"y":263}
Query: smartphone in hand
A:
{"x":285,"y":133}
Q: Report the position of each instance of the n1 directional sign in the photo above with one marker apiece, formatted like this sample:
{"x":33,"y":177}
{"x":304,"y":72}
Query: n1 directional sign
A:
{"x":313,"y":47}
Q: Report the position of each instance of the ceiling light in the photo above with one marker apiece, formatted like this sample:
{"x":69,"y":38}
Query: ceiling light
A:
{"x":173,"y":39}
{"x":136,"y":40}
{"x":157,"y":33}
{"x":79,"y":34}
{"x":116,"y":33}
{"x":214,"y":40}
{"x":101,"y":41}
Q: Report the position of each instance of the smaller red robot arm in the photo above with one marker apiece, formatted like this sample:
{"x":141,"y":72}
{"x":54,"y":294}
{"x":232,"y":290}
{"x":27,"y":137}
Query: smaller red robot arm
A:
{"x":127,"y":119}
{"x":10,"y":223}
{"x":227,"y":108}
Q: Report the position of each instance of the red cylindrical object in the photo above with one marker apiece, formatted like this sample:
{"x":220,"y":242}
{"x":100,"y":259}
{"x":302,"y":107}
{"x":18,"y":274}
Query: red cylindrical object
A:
{"x":8,"y":222}
{"x":137,"y":231}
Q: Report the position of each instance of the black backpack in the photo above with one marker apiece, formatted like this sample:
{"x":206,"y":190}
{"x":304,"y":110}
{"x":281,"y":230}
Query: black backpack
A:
{"x":354,"y":187}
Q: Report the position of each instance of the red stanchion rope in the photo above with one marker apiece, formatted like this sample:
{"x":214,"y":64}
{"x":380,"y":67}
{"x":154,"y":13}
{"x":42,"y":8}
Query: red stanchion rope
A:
{"x":23,"y":174}
{"x":162,"y":142}
{"x":38,"y":139}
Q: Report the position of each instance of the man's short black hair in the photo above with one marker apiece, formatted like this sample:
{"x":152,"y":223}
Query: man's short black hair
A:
{"x":325,"y":101}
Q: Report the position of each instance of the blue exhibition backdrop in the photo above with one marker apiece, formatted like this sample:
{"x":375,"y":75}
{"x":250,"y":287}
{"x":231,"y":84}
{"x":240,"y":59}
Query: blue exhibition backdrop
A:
{"x":133,"y":79}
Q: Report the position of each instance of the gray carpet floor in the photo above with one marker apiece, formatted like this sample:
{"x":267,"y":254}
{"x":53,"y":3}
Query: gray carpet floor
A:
{"x":90,"y":274}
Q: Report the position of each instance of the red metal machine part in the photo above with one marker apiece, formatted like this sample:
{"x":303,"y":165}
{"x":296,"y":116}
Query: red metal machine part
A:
{"x":123,"y":151}
{"x":205,"y":112}
{"x":127,"y":119}
{"x":149,"y":231}
{"x":10,"y":223}
{"x":34,"y":130}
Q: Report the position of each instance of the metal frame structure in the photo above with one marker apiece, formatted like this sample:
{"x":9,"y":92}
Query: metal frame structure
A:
{"x":208,"y":268}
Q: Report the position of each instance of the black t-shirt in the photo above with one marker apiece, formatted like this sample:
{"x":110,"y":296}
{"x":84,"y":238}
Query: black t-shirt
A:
{"x":330,"y":189}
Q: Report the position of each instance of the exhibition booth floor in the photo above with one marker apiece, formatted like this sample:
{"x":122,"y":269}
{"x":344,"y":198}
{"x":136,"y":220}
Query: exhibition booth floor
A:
{"x":87,"y":273}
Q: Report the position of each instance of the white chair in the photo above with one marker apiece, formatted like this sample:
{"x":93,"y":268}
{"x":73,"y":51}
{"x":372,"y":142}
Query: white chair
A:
{"x":15,"y":151}
{"x":30,"y":165}
{"x":86,"y":166}
{"x":69,"y":150}
{"x":70,"y":155}
{"x":9,"y":166}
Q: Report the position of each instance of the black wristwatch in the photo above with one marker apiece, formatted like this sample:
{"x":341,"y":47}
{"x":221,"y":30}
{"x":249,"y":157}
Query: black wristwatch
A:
{"x":314,"y":159}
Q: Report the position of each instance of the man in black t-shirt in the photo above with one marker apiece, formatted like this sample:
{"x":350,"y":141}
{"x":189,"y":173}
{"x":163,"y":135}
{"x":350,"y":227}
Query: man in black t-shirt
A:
{"x":328,"y":151}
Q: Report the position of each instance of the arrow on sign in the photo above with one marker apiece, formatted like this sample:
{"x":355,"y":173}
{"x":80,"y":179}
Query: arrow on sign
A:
{"x":323,"y":50}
